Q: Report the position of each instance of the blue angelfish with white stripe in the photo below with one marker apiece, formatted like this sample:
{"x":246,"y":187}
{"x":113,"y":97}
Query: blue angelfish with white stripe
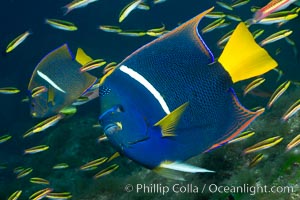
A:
{"x":167,"y":102}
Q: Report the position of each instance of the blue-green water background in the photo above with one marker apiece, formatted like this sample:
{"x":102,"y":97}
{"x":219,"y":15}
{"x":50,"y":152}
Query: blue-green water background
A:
{"x":17,"y":16}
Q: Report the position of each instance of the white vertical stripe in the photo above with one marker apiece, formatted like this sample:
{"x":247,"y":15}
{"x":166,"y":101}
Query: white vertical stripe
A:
{"x":139,"y":78}
{"x":46,"y":78}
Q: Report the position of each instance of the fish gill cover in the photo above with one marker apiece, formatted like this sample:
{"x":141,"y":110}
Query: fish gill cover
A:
{"x":66,"y":156}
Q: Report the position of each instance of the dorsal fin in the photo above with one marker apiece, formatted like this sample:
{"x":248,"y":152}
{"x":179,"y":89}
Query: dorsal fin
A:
{"x":82,"y":57}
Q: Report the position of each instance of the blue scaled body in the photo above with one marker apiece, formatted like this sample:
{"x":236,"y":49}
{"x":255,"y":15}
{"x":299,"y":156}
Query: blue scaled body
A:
{"x":155,"y":80}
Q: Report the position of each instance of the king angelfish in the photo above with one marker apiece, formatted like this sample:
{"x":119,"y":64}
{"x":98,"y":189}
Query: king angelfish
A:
{"x":167,"y":102}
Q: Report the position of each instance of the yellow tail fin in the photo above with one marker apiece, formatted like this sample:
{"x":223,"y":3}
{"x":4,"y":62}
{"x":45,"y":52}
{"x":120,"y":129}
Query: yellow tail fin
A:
{"x":243,"y":58}
{"x":82,"y":57}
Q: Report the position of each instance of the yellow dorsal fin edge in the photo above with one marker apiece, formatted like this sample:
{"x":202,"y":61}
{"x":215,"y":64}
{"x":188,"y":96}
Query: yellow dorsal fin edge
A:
{"x":169,"y":122}
{"x":243,"y":58}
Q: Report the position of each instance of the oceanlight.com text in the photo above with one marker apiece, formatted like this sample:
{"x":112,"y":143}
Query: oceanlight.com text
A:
{"x":205,"y":188}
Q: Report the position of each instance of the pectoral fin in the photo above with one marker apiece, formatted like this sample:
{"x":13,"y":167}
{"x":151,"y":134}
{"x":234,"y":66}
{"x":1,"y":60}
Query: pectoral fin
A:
{"x":169,"y":122}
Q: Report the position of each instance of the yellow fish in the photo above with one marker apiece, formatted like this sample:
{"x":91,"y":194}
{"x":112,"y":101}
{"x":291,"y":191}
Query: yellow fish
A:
{"x":215,"y":15}
{"x":38,"y":180}
{"x":18,"y":170}
{"x":15,"y":195}
{"x":224,"y":5}
{"x":92,"y":65}
{"x":128,"y":9}
{"x":51,"y":121}
{"x":278,"y":92}
{"x":106,"y":171}
{"x":253,"y":84}
{"x":36,"y":149}
{"x":17,"y":41}
{"x":239,"y":3}
{"x":115,"y":155}
{"x":60,"y":195}
{"x":69,"y":110}
{"x":60,"y":166}
{"x":258,"y":33}
{"x":4,"y":138}
{"x":265,"y":144}
{"x":279,"y":17}
{"x":38,"y":91}
{"x":24,"y":172}
{"x":234,"y":17}
{"x":276,"y":36}
{"x":102,"y":138}
{"x":93,"y":163}
{"x":212,"y":26}
{"x":242,"y":136}
{"x":76,"y":4}
{"x":159,"y":1}
{"x":40,"y":194}
{"x":256,"y":160}
{"x":9,"y":90}
{"x":295,"y":142}
{"x":156,"y":31}
{"x":143,"y":6}
{"x":291,"y":111}
{"x":111,"y":29}
{"x":133,"y":33}
{"x":224,"y":38}
{"x":61,"y":24}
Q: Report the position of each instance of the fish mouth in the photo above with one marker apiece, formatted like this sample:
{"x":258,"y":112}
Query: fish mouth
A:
{"x":112,"y":128}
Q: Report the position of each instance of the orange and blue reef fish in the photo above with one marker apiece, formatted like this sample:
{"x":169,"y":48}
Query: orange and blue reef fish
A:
{"x":271,"y":7}
{"x":167,"y":102}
